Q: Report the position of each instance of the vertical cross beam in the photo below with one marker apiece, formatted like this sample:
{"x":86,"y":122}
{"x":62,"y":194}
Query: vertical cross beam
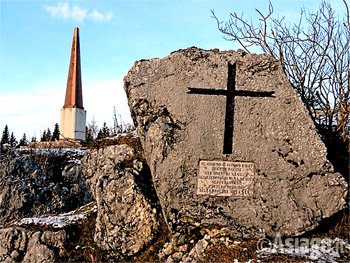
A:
{"x":230,"y":107}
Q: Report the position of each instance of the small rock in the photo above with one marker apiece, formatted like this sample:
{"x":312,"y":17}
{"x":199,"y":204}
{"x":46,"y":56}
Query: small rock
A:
{"x":201,"y":246}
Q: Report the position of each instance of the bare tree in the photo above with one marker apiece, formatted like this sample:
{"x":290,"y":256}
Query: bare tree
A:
{"x":117,"y":125}
{"x":93,"y":128}
{"x":314,"y":54}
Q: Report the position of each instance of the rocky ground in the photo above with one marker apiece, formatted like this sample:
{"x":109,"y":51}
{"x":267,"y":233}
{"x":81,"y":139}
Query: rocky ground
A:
{"x":39,"y":182}
{"x":99,"y":204}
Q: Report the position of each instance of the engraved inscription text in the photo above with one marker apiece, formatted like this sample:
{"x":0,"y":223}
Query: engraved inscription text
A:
{"x":225,"y":178}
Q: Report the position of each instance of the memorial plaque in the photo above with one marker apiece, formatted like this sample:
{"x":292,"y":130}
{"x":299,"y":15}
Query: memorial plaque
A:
{"x":225,"y":178}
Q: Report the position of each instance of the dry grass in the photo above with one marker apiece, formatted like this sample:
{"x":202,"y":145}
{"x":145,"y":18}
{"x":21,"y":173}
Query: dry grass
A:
{"x":80,"y":246}
{"x":338,"y":226}
{"x":244,"y":252}
{"x":151,"y":253}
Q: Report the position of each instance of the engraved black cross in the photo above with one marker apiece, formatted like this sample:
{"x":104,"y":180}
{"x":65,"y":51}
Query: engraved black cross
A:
{"x":230,"y":94}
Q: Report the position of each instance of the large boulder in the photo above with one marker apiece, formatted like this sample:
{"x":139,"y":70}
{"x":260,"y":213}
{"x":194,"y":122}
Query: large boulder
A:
{"x":277,"y":178}
{"x":127,"y":209}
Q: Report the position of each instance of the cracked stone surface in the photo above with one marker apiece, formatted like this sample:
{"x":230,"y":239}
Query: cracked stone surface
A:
{"x":127,"y":217}
{"x":13,"y":244}
{"x":39,"y":184}
{"x":22,"y":245}
{"x":295,"y":186}
{"x":37,"y":251}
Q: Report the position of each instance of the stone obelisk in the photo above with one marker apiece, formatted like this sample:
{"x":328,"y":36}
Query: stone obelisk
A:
{"x":73,"y":115}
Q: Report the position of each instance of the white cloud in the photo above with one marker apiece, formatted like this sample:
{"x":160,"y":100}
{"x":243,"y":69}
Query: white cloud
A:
{"x":97,"y":16}
{"x":66,"y":11}
{"x":37,"y":109}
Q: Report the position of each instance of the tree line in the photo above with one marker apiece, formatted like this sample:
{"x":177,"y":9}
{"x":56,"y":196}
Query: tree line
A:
{"x":12,"y":142}
{"x":93,"y":132}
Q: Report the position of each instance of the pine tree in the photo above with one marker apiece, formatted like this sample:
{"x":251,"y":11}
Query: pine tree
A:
{"x":104,"y":132}
{"x":23,"y":141}
{"x":43,"y":137}
{"x":89,"y":134}
{"x":13,"y":141}
{"x":48,"y":134}
{"x":99,"y":135}
{"x":5,"y":136}
{"x":33,"y":139}
{"x":56,"y":133}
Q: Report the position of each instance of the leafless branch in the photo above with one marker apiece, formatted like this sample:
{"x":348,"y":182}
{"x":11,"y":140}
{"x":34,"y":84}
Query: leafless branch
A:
{"x":314,"y":54}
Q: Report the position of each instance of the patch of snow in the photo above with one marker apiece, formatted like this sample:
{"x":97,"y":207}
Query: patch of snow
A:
{"x":75,"y":161}
{"x":59,"y":221}
{"x":54,"y":221}
{"x":53,"y":151}
{"x":132,"y":133}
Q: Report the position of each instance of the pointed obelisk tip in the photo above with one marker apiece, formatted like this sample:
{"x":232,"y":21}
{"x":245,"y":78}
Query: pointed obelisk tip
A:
{"x":76,"y":30}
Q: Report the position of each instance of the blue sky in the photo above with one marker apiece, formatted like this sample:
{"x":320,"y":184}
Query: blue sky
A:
{"x":35,"y":42}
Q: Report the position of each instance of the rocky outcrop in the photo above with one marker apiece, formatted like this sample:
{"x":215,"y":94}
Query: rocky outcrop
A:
{"x":35,"y":186}
{"x":292,"y":185}
{"x":49,"y":239}
{"x":127,"y":208}
{"x":122,"y":223}
{"x":48,"y":181}
{"x":13,"y":244}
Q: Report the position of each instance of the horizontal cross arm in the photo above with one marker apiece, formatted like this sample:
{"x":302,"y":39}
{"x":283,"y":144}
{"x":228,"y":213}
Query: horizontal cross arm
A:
{"x":244,"y":93}
{"x":207,"y":91}
{"x":249,"y":93}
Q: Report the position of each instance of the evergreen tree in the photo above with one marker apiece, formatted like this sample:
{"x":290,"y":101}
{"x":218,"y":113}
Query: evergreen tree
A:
{"x":89,"y":134}
{"x":43,"y":137}
{"x":13,"y":141}
{"x":5,"y":136}
{"x":56,"y":133}
{"x":23,"y":141}
{"x":48,"y":134}
{"x":104,"y":132}
{"x":100,"y":135}
{"x":33,"y":139}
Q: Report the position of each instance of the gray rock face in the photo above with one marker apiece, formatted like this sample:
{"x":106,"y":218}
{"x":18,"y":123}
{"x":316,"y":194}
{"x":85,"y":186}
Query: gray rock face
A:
{"x":37,"y":251}
{"x":18,"y":244}
{"x":41,"y":183}
{"x":124,"y":220}
{"x":127,"y":220}
{"x":62,"y":238}
{"x":13,"y":244}
{"x":294,"y":186}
